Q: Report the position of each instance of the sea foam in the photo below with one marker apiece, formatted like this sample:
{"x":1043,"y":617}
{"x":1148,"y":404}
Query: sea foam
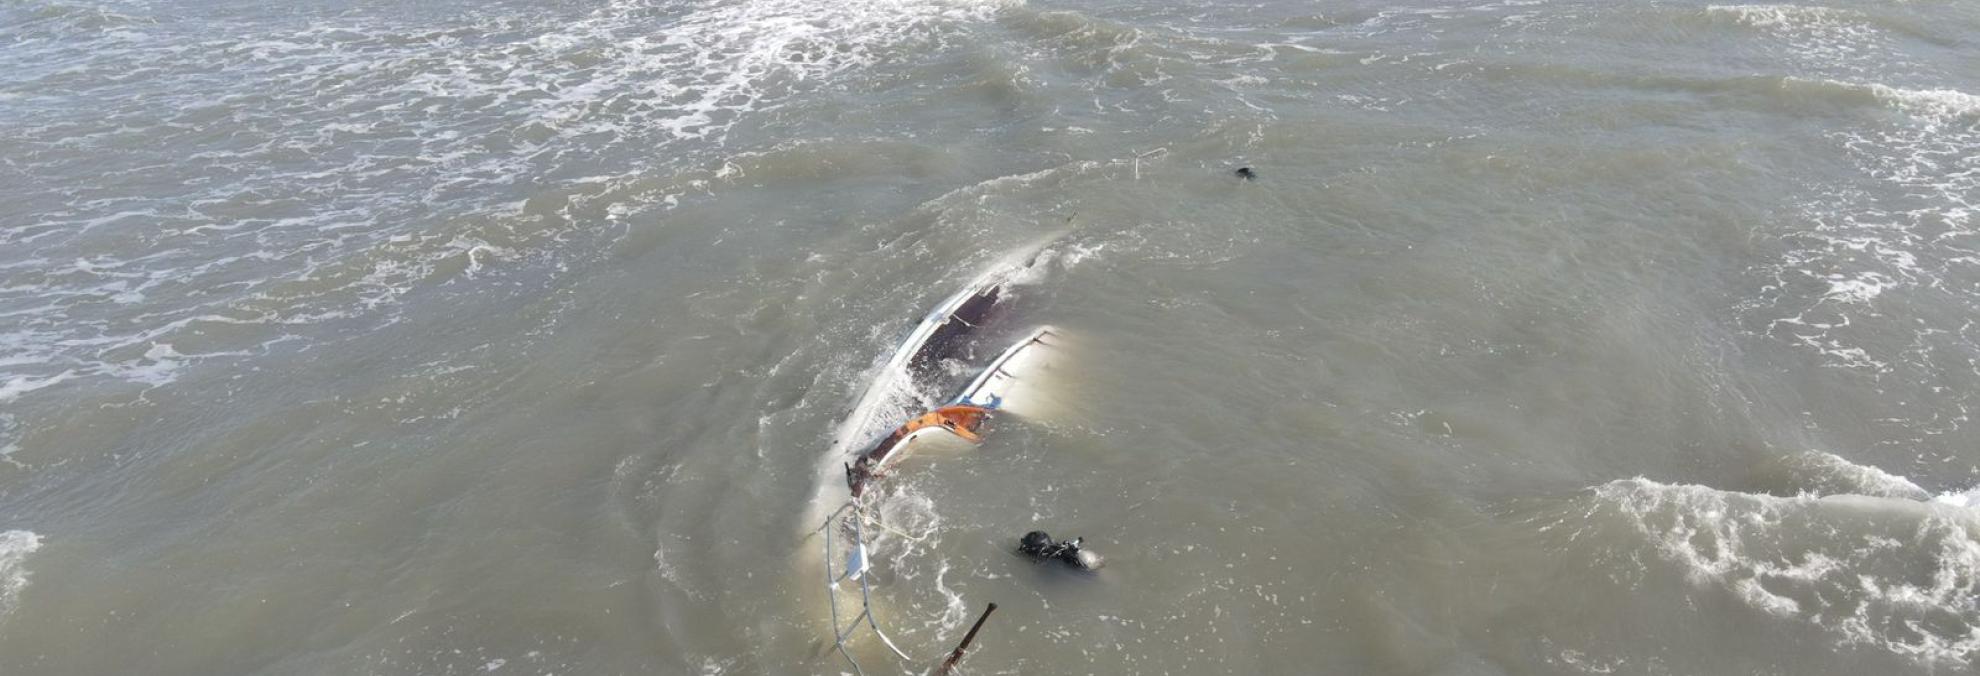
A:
{"x":339,"y":197}
{"x":1891,"y":569}
{"x":15,"y":546}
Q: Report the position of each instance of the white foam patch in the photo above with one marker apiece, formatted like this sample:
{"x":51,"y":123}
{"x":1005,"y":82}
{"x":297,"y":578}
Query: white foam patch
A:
{"x":15,"y":546}
{"x":1820,"y":39}
{"x":1891,"y":574}
{"x":906,"y":541}
{"x":16,"y":386}
{"x":10,"y":439}
{"x":1902,"y":234}
{"x":340,"y":192}
{"x":1936,"y":106}
{"x":1786,"y":16}
{"x":1079,"y":253}
{"x":1967,"y":499}
{"x":1860,"y":289}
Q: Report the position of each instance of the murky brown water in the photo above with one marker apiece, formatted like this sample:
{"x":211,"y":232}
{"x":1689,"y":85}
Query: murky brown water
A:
{"x":1554,"y":337}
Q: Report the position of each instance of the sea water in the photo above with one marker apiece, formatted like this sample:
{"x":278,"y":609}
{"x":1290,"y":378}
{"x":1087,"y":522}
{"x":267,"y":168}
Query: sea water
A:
{"x":1552,"y":336}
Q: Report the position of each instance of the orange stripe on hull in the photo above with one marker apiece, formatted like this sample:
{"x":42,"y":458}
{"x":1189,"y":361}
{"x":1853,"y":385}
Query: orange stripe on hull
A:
{"x":962,"y":420}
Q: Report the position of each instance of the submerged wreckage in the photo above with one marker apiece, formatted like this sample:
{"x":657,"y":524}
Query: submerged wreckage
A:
{"x":960,"y":417}
{"x":1005,"y":385}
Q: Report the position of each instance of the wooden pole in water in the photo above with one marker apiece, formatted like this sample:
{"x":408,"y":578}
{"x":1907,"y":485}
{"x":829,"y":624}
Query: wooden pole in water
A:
{"x":957,"y":655}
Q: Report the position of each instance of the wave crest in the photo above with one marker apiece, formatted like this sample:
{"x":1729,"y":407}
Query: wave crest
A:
{"x":15,"y":546}
{"x":1893,"y":574}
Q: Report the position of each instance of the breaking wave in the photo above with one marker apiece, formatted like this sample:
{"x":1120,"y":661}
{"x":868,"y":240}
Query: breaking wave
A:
{"x":1787,"y":16}
{"x":15,"y":546}
{"x":1936,"y":108}
{"x":1822,"y":473}
{"x":1819,"y":40}
{"x":1877,"y":563}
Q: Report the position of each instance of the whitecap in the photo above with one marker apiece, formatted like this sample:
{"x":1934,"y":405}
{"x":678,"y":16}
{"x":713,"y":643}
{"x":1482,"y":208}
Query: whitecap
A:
{"x":15,"y":546}
{"x":1901,"y":231}
{"x":1785,"y":16}
{"x":1938,"y":105}
{"x":1894,"y":574}
{"x":340,"y":174}
{"x":1824,"y":473}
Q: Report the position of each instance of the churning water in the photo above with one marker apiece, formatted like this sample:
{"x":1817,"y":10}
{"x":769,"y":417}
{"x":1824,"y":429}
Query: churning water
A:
{"x":1553,"y":336}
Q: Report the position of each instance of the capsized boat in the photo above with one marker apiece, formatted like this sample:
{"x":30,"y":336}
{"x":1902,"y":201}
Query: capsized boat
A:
{"x":939,"y":335}
{"x":1004,"y":384}
{"x":842,"y":521}
{"x":996,"y":385}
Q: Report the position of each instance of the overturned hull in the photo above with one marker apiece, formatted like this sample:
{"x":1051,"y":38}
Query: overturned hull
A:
{"x":939,"y":334}
{"x":997,"y":387}
{"x":841,"y":541}
{"x":837,"y":548}
{"x":1014,"y":381}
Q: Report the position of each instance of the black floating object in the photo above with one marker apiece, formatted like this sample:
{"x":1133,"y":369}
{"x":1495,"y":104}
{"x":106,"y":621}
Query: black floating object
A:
{"x":1040,"y":547}
{"x":1246,"y":173}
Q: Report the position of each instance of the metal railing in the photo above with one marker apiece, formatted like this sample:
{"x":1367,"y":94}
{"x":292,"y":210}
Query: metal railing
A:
{"x":840,"y":630}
